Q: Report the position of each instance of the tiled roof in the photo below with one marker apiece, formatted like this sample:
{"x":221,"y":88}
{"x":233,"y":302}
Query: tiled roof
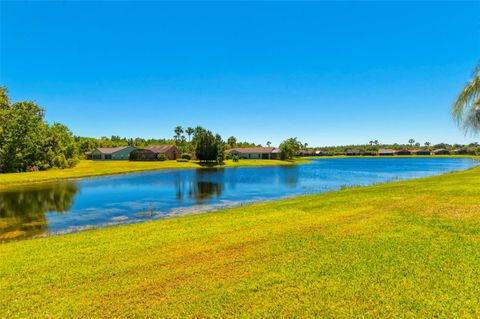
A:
{"x":160,"y":148}
{"x":386,"y":151}
{"x":111,"y":150}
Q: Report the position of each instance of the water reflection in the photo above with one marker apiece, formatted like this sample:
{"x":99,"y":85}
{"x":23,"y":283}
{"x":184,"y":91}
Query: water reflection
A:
{"x":22,"y":212}
{"x":205,"y":184}
{"x":289,"y":176}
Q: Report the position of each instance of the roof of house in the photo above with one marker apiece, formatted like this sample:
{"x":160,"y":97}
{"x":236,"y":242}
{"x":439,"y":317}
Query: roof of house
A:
{"x":440,"y":150}
{"x":420,"y":151}
{"x":253,"y":150}
{"x":353,"y":151}
{"x":161,"y":148}
{"x":111,"y":150}
{"x":386,"y":151}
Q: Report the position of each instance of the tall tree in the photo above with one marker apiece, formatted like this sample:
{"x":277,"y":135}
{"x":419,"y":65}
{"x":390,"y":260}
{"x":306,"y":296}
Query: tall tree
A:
{"x":22,"y":137}
{"x":205,"y":145}
{"x":466,"y":109}
{"x":232,"y":142}
{"x":290,"y":147}
{"x":189,"y":132}
{"x":178,"y":132}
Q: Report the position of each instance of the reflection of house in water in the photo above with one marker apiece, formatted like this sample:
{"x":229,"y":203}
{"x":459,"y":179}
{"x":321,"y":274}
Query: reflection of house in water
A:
{"x":22,"y":212}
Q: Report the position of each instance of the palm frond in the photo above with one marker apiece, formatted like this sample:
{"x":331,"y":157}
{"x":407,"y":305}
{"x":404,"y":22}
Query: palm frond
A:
{"x":466,"y":109}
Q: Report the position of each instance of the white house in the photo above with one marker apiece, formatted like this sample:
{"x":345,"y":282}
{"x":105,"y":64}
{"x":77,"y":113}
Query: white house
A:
{"x":256,"y":152}
{"x":112,"y":153}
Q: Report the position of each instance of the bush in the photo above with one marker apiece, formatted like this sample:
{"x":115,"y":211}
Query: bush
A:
{"x":72,"y":162}
{"x":182,"y":160}
{"x":235,"y":158}
{"x":220,"y":159}
{"x":161,"y":157}
{"x":133,"y":156}
{"x":186,"y":156}
{"x":60,"y":161}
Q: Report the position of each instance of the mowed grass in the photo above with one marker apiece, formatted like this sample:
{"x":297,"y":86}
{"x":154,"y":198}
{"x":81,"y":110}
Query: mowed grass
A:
{"x":404,"y":249}
{"x":87,"y":168}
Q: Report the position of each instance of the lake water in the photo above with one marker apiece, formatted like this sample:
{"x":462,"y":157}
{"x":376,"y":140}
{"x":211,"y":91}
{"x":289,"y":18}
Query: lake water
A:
{"x":69,"y":206}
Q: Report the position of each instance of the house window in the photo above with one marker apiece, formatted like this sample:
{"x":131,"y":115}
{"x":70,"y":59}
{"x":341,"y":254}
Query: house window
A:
{"x":108,"y":156}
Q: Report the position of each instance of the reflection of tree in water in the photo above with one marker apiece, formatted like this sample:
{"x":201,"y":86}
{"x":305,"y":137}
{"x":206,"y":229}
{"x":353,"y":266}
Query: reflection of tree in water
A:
{"x":289,"y":175}
{"x":201,"y":191}
{"x":22,"y":212}
{"x":204,"y":184}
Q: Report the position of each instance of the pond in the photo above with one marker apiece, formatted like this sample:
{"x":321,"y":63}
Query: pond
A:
{"x":70,"y":206}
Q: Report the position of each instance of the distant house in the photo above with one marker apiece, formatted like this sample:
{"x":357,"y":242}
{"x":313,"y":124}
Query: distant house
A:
{"x":369,"y":153}
{"x":403,"y":152}
{"x":352,"y":153}
{"x":88,"y":155}
{"x":170,"y":151}
{"x":256,"y":152}
{"x":385,"y":152}
{"x":421,"y":152}
{"x":441,"y":151}
{"x":151,"y":153}
{"x":306,"y":153}
{"x":112,"y":153}
{"x":461,"y":151}
{"x":321,"y":153}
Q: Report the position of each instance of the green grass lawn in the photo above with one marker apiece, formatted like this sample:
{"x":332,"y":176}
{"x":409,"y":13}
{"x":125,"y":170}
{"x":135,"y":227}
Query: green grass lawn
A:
{"x":404,"y":249}
{"x":98,"y":168}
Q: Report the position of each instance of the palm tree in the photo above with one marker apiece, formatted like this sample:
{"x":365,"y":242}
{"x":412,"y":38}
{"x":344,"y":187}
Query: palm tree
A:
{"x":411,"y":141}
{"x":269,"y":143}
{"x":189,"y":132}
{"x":178,"y":131}
{"x":427,"y":144}
{"x":466,"y":109}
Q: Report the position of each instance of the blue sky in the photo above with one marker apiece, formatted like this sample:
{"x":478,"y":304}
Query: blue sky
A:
{"x":327,"y":73}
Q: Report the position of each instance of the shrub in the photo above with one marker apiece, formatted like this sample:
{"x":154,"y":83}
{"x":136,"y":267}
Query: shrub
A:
{"x":72,"y":162}
{"x":235,"y":158}
{"x":60,"y":161}
{"x":220,"y":159}
{"x":161,"y":157}
{"x":186,"y":156}
{"x":133,"y":155}
{"x":182,"y":160}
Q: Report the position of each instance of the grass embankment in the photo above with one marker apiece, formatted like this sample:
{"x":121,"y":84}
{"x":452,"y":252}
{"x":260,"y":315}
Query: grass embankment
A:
{"x":99,"y":168}
{"x":404,"y":249}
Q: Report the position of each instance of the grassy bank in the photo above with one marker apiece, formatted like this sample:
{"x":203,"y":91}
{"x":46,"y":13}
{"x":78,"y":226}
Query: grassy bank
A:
{"x":99,"y":168}
{"x":405,"y":249}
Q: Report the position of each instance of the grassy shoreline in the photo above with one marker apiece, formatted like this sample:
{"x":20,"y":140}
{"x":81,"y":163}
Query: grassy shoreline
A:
{"x":86,"y":169}
{"x":401,"y":249}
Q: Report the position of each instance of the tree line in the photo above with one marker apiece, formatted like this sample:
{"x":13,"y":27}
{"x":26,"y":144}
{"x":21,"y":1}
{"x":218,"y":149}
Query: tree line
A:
{"x":29,"y":143}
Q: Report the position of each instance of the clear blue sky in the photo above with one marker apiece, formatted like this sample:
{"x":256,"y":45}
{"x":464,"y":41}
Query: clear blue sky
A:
{"x":328,"y":73}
